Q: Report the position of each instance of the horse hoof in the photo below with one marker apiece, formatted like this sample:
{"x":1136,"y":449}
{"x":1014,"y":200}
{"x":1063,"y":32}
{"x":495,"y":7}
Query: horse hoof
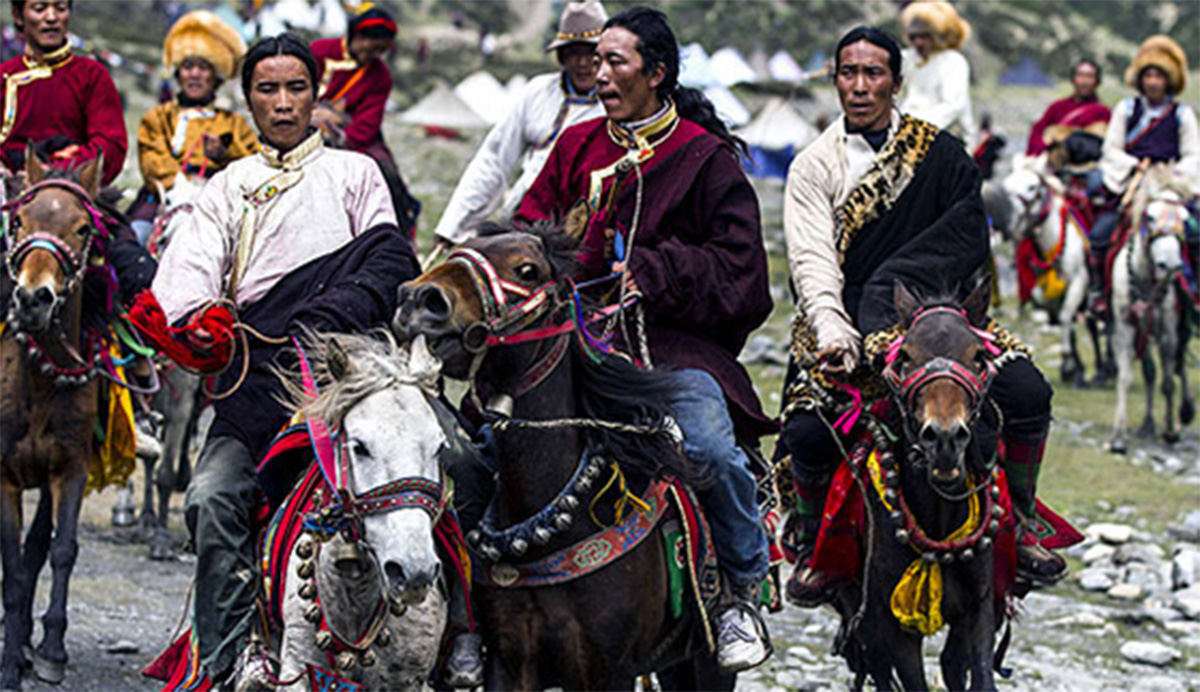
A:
{"x":53,"y":672}
{"x":123,"y":517}
{"x":161,"y":548}
{"x":10,"y":680}
{"x":1118,"y":446}
{"x":1187,"y":412}
{"x":1171,"y":438}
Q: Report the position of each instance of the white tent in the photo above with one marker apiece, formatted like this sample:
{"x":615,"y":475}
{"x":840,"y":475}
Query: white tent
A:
{"x":777,"y":126}
{"x":442,"y":108}
{"x":515,"y":86}
{"x":694,"y":70}
{"x":485,"y":95}
{"x":784,"y":68}
{"x":729,"y":108}
{"x":729,"y":67}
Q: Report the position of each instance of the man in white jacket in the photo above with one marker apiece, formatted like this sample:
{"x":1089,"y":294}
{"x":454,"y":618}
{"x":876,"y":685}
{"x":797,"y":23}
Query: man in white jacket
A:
{"x":549,"y":104}
{"x":936,"y":73}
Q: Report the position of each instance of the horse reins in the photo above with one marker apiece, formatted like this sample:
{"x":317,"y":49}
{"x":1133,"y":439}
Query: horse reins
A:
{"x":73,"y":264}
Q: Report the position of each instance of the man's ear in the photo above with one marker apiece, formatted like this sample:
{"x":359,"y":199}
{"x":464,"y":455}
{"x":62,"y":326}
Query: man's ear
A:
{"x":660,"y":73}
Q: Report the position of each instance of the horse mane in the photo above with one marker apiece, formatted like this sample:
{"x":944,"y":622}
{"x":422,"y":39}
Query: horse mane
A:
{"x":348,"y":368}
{"x":562,"y":250}
{"x":1160,"y":181}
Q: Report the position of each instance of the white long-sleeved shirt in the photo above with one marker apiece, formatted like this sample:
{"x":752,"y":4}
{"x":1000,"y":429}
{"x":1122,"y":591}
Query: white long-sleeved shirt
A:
{"x":1117,"y":165}
{"x":527,"y":132}
{"x":938,"y":91}
{"x":819,"y":180}
{"x":340,"y":195}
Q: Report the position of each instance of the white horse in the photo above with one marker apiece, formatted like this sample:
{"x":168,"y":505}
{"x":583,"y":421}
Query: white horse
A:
{"x":1039,"y":210}
{"x":373,"y":604}
{"x":1147,"y":301}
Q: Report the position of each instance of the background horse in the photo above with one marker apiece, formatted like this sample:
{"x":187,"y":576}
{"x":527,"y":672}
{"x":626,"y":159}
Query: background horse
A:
{"x":1041,"y":211}
{"x":930,"y":506}
{"x":601,"y":629}
{"x":362,"y":581}
{"x":48,"y":405}
{"x":1148,"y":298}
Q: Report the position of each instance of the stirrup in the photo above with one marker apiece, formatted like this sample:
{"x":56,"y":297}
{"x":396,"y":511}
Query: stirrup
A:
{"x":808,"y":587}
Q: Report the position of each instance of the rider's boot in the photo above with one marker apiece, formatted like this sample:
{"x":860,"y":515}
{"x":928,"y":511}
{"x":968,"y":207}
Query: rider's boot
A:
{"x":1022,"y":465}
{"x":808,"y":587}
{"x":742,"y":638}
{"x":1096,"y":278}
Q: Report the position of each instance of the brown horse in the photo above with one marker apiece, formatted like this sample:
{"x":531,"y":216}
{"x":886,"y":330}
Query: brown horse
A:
{"x":47,"y":407}
{"x":498,"y":314}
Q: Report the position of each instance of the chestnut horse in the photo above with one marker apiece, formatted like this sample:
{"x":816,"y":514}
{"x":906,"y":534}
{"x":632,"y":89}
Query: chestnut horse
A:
{"x":499,"y":314}
{"x":47,"y":405}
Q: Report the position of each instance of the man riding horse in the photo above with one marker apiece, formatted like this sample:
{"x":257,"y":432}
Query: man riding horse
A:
{"x":298,"y":237}
{"x":882,"y":196}
{"x":668,"y":205}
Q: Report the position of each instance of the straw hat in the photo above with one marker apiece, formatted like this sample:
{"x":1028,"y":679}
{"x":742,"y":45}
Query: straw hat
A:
{"x":1162,"y":52}
{"x":939,"y":19}
{"x":202,"y":34}
{"x":581,"y":22}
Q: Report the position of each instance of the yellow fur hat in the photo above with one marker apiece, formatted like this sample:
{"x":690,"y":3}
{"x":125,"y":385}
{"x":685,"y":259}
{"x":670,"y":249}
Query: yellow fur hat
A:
{"x":1162,"y":52}
{"x":202,"y":34}
{"x":938,"y":18}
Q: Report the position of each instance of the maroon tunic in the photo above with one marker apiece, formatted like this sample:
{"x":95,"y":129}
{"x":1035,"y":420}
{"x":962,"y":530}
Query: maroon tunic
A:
{"x":78,"y":100}
{"x":1069,"y":111}
{"x":698,"y":253}
{"x":363,"y":90}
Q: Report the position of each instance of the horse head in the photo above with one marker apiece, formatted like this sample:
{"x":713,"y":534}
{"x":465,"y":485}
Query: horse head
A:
{"x":939,"y":373}
{"x":492,"y":286}
{"x":54,"y":226}
{"x":378,"y":398}
{"x":1160,"y":207}
{"x":1029,"y":188}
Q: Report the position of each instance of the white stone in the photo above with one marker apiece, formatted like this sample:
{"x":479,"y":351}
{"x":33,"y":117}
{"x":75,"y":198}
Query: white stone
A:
{"x":1084,"y":619}
{"x":1110,"y":533}
{"x":1098,"y":552}
{"x":1189,"y":606}
{"x":1185,"y":569}
{"x":1095,"y":580}
{"x":1182,"y":628}
{"x":1152,"y":653}
{"x":1126,"y":592}
{"x":1144,"y":553}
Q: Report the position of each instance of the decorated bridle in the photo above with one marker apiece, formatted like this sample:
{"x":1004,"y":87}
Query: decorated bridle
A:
{"x":73,"y":264}
{"x":508,"y":307}
{"x":907,"y":387}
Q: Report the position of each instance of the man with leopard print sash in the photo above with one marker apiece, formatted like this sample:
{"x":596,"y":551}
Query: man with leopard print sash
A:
{"x":881,"y":197}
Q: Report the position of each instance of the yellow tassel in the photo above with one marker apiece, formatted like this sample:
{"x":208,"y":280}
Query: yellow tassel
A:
{"x":624,"y":498}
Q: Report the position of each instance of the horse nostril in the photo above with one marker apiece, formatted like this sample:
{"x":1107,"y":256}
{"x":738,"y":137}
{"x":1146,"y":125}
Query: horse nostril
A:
{"x":929,"y":436}
{"x":431,"y":300}
{"x":962,"y":436}
{"x":395,"y":574}
{"x":43,"y":296}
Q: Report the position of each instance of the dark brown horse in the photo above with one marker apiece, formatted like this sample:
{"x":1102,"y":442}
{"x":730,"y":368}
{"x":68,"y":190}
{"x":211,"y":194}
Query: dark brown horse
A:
{"x":934,"y":506}
{"x":47,"y":408}
{"x":600,"y":630}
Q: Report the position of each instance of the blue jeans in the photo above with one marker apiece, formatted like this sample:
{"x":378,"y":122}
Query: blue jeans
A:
{"x":730,"y":504}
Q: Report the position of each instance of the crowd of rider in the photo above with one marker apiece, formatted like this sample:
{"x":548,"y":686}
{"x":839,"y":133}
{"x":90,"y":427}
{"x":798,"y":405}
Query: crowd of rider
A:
{"x":304,"y":222}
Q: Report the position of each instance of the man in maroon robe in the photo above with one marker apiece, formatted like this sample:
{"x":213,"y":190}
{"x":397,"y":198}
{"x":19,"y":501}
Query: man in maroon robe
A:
{"x":64,"y":104}
{"x":1080,"y":109}
{"x":668,"y":204}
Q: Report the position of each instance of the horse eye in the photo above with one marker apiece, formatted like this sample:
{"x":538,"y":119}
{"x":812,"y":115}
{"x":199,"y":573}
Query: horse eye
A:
{"x":82,"y":231}
{"x":527,"y":272}
{"x":358,"y":449}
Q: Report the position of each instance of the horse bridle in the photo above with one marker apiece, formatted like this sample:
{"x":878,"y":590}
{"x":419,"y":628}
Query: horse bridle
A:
{"x":1041,"y":200}
{"x":73,"y":264}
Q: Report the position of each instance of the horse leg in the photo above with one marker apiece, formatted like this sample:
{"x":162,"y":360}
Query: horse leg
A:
{"x":1148,"y":376}
{"x":955,"y":658}
{"x":970,"y":646}
{"x":1168,"y":345}
{"x":36,"y":549}
{"x":905,"y":655}
{"x":1187,"y":405}
{"x":147,"y":521}
{"x":50,"y":658}
{"x":1103,"y":367}
{"x":1123,"y":338}
{"x":17,"y":588}
{"x":161,"y":547}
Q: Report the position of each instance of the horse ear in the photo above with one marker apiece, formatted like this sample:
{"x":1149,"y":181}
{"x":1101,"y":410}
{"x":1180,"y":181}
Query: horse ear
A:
{"x":35,"y":172}
{"x":904,"y":301}
{"x":336,"y":359}
{"x":89,"y":175}
{"x":421,"y":361}
{"x":977,"y":303}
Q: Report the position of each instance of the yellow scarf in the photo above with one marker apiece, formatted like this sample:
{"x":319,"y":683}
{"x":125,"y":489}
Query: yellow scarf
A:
{"x":639,"y":144}
{"x":37,"y":69}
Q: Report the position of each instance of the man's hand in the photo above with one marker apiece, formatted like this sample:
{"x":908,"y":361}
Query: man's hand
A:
{"x":838,"y":343}
{"x":631,"y":285}
{"x":214,"y":148}
{"x":66,"y":153}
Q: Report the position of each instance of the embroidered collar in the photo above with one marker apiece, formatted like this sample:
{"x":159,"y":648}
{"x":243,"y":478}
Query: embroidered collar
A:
{"x":55,"y":58}
{"x":573,"y":94}
{"x":638,"y":135}
{"x":292,"y":159}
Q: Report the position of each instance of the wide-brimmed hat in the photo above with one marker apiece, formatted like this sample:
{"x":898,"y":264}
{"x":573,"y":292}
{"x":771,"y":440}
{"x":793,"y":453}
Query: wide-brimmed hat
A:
{"x":202,"y":34}
{"x":581,"y":22}
{"x":939,"y":19}
{"x":1162,"y":52}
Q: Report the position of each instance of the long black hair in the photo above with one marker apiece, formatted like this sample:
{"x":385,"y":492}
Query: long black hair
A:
{"x":658,"y":46}
{"x":876,"y":37}
{"x":286,"y":43}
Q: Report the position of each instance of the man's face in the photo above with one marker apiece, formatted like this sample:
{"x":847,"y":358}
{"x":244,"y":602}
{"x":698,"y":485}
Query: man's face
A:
{"x":44,"y":23}
{"x":922,"y":42}
{"x":366,"y":50}
{"x":1154,"y":84}
{"x":625,"y":90}
{"x":866,"y":86}
{"x":579,"y":60}
{"x":1085,"y":80}
{"x":281,"y":98}
{"x":197,"y":79}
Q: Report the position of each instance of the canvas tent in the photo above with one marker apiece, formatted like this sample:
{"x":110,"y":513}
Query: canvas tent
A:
{"x":784,"y":68}
{"x":775,"y":135}
{"x":443,"y":110}
{"x":1027,"y":72}
{"x":729,"y":108}
{"x":694,"y":70}
{"x":729,"y":67}
{"x":485,"y":95}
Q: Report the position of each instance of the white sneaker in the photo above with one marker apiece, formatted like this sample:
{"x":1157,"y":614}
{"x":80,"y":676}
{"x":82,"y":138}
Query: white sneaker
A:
{"x":741,"y":639}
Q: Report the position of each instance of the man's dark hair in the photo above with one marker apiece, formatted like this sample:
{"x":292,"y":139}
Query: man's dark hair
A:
{"x":876,"y":37}
{"x":657,"y":45}
{"x":19,"y":10}
{"x":283,"y":44}
{"x":1095,"y":66}
{"x":376,"y":22}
